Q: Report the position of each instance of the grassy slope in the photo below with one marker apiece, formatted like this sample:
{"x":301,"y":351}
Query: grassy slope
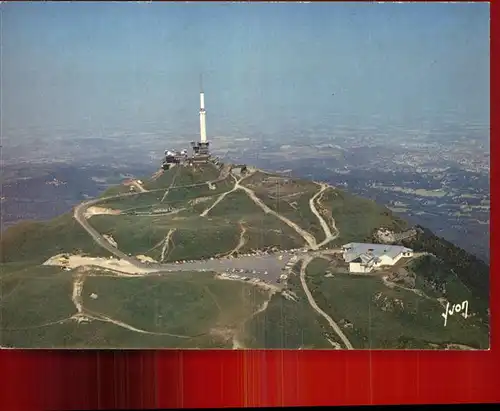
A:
{"x":195,"y":235}
{"x":436,"y":279}
{"x":289,"y":324}
{"x":414,"y":326}
{"x":284,"y":323}
{"x":262,"y":230}
{"x":197,"y":174}
{"x":301,"y":214}
{"x":133,"y":234}
{"x":357,"y":217}
{"x":192,"y":304}
{"x":184,"y":304}
{"x":93,"y":335}
{"x":115,"y":190}
{"x":183,"y":176}
{"x":202,"y":241}
{"x":145,"y":201}
{"x":268,"y":231}
{"x":163,"y":181}
{"x":33,"y":296}
{"x":471,"y":271}
{"x":37,"y":241}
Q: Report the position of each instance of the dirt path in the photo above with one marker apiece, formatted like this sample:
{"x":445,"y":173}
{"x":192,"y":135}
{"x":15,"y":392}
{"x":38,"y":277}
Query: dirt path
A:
{"x":170,"y":186}
{"x":139,"y":187}
{"x":104,"y":318}
{"x":213,"y":297}
{"x":80,"y":210}
{"x":241,"y":242}
{"x":237,"y":344}
{"x":333,"y":324}
{"x":335,"y":345}
{"x":32,"y":327}
{"x":157,"y":174}
{"x":309,"y":238}
{"x":219,"y":199}
{"x":329,"y":235}
{"x":263,"y":307}
{"x":113,"y":273}
{"x":76,"y":296}
{"x":459,"y":347}
{"x":420,"y":293}
{"x":165,"y":244}
{"x":324,"y":225}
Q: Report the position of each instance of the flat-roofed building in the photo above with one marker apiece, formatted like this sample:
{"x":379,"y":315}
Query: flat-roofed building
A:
{"x":364,"y":257}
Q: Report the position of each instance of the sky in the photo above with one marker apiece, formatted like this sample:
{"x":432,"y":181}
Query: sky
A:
{"x":267,"y":68}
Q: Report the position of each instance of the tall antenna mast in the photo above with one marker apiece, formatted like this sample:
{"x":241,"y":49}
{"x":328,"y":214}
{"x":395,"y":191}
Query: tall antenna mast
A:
{"x":203,"y":131}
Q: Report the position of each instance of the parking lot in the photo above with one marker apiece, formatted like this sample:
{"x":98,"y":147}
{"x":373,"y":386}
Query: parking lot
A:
{"x":267,"y":267}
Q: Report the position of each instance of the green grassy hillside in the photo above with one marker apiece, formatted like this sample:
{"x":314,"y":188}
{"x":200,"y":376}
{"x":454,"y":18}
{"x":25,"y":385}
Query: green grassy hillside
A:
{"x":396,"y":308}
{"x":194,"y":308}
{"x":357,"y":217}
{"x":385,"y":317}
{"x":471,"y":271}
{"x":37,"y":241}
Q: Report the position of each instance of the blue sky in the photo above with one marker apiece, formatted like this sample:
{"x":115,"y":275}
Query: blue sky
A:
{"x":90,"y":65}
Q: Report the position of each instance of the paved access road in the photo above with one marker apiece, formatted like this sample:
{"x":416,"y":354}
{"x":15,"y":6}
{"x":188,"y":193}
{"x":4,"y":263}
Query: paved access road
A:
{"x":252,"y":265}
{"x":267,"y":267}
{"x":80,"y":210}
{"x":258,"y":263}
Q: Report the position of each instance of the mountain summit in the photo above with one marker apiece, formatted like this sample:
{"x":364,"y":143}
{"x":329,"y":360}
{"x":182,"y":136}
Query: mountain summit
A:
{"x":216,"y":255}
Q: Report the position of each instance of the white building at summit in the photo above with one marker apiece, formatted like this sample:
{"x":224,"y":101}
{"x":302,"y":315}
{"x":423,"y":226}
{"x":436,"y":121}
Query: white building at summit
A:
{"x":364,"y":258}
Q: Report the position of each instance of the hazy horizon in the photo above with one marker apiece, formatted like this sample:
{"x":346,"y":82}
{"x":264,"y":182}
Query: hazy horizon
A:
{"x":267,"y":68}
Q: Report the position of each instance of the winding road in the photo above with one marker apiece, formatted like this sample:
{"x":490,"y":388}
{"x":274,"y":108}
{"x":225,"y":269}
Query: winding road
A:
{"x":79,"y":215}
{"x":324,"y":225}
{"x":222,"y":264}
{"x":314,"y":305}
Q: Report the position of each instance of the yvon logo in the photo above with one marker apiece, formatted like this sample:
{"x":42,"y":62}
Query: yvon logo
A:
{"x":457,"y":308}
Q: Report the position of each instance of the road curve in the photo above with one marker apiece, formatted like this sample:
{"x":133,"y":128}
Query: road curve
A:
{"x":315,"y":306}
{"x":311,"y":241}
{"x":218,"y":264}
{"x":312,"y":206}
{"x":79,"y":215}
{"x":329,"y":236}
